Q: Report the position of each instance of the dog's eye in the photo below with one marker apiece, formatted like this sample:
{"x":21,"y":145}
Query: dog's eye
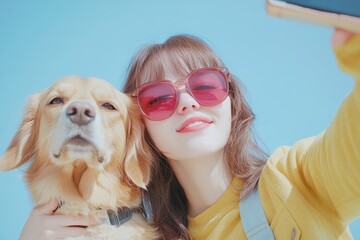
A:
{"x":109,"y":106}
{"x":56,"y":100}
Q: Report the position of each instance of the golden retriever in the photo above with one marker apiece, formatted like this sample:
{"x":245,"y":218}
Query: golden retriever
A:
{"x":84,"y":143}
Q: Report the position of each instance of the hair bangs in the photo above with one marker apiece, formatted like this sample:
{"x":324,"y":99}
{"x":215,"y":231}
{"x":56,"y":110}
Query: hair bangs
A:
{"x":183,"y":54}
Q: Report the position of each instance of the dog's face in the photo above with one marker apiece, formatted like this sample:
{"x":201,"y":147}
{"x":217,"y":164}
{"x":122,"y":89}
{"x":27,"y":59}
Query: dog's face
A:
{"x":82,"y":119}
{"x":78,"y":129}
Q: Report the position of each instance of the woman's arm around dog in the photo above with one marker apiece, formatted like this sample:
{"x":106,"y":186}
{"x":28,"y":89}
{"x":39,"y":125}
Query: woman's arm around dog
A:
{"x":42,"y":224}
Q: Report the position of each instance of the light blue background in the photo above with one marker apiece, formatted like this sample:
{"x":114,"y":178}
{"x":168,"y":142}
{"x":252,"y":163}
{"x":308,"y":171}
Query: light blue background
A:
{"x":292,"y":79}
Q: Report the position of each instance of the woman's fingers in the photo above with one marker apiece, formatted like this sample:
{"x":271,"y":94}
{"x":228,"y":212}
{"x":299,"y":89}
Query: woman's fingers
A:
{"x":341,"y":36}
{"x":64,"y":232}
{"x":66,"y":221}
{"x":47,"y":208}
{"x":43,"y":224}
{"x":72,"y":232}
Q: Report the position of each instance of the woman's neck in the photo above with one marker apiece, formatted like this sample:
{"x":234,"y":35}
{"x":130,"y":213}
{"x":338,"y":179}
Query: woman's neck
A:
{"x":203,"y":180}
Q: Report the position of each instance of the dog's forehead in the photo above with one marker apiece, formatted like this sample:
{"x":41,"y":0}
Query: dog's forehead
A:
{"x":76,"y":81}
{"x":75,"y":84}
{"x":75,"y":87}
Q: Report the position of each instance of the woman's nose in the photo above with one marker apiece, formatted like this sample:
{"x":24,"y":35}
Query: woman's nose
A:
{"x":186,"y":103}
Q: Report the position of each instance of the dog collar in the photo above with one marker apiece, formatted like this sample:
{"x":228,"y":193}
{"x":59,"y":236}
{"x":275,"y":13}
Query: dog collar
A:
{"x":122,"y":215}
{"x":119,"y":217}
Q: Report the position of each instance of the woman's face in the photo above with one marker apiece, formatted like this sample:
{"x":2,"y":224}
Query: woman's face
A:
{"x":193,"y":131}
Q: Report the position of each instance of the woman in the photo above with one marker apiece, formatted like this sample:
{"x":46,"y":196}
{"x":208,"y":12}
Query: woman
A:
{"x":208,"y":158}
{"x":206,"y":153}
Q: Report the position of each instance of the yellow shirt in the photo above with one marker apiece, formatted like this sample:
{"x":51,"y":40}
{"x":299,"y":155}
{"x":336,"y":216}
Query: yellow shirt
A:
{"x":310,"y":190}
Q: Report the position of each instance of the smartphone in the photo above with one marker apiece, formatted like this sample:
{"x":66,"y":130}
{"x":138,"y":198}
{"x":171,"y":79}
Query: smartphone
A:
{"x":335,"y":13}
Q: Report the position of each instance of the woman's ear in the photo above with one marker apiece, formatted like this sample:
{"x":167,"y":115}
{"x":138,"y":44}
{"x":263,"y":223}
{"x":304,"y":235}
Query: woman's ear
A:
{"x":138,"y":159}
{"x":23,"y":144}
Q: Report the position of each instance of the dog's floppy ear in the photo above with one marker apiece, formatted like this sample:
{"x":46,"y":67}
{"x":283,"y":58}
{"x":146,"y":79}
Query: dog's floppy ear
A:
{"x":138,"y":157}
{"x":24,"y":141}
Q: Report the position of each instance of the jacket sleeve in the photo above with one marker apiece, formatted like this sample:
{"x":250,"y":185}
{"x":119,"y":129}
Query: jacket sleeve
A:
{"x":329,"y":168}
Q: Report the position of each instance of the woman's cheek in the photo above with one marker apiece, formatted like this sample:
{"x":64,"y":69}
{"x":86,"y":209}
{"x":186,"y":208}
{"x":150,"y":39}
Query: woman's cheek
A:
{"x":160,"y":133}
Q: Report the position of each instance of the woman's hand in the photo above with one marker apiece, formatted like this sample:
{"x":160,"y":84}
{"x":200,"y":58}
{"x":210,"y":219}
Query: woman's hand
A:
{"x":340,"y":37}
{"x":42,"y":224}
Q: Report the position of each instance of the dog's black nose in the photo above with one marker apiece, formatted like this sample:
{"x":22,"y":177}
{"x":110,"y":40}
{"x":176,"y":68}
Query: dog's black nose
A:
{"x":80,"y":113}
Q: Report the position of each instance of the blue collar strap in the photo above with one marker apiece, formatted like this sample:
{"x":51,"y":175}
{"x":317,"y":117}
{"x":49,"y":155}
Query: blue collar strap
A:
{"x":122,"y":215}
{"x":119,"y":217}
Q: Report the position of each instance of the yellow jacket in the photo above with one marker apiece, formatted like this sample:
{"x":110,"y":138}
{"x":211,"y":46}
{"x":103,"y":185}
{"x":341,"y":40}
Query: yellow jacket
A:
{"x":310,"y":190}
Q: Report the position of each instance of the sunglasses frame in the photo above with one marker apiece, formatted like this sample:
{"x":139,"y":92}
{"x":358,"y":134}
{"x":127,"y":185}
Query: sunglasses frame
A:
{"x":179,"y":83}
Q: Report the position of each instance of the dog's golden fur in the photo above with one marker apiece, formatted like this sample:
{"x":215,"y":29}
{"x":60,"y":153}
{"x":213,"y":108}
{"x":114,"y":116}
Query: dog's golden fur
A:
{"x":84,"y":143}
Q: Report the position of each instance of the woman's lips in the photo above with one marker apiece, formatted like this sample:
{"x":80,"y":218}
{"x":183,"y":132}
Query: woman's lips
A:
{"x":194,"y":124}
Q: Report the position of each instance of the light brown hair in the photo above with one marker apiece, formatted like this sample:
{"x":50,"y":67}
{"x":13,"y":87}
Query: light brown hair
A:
{"x":180,"y":55}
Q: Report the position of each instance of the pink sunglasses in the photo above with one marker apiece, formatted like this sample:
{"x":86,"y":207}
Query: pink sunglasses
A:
{"x":158,"y":99}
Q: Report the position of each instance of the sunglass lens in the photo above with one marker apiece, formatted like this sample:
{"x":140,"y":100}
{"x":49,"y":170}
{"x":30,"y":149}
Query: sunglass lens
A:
{"x":157,"y":101}
{"x":208,"y":87}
